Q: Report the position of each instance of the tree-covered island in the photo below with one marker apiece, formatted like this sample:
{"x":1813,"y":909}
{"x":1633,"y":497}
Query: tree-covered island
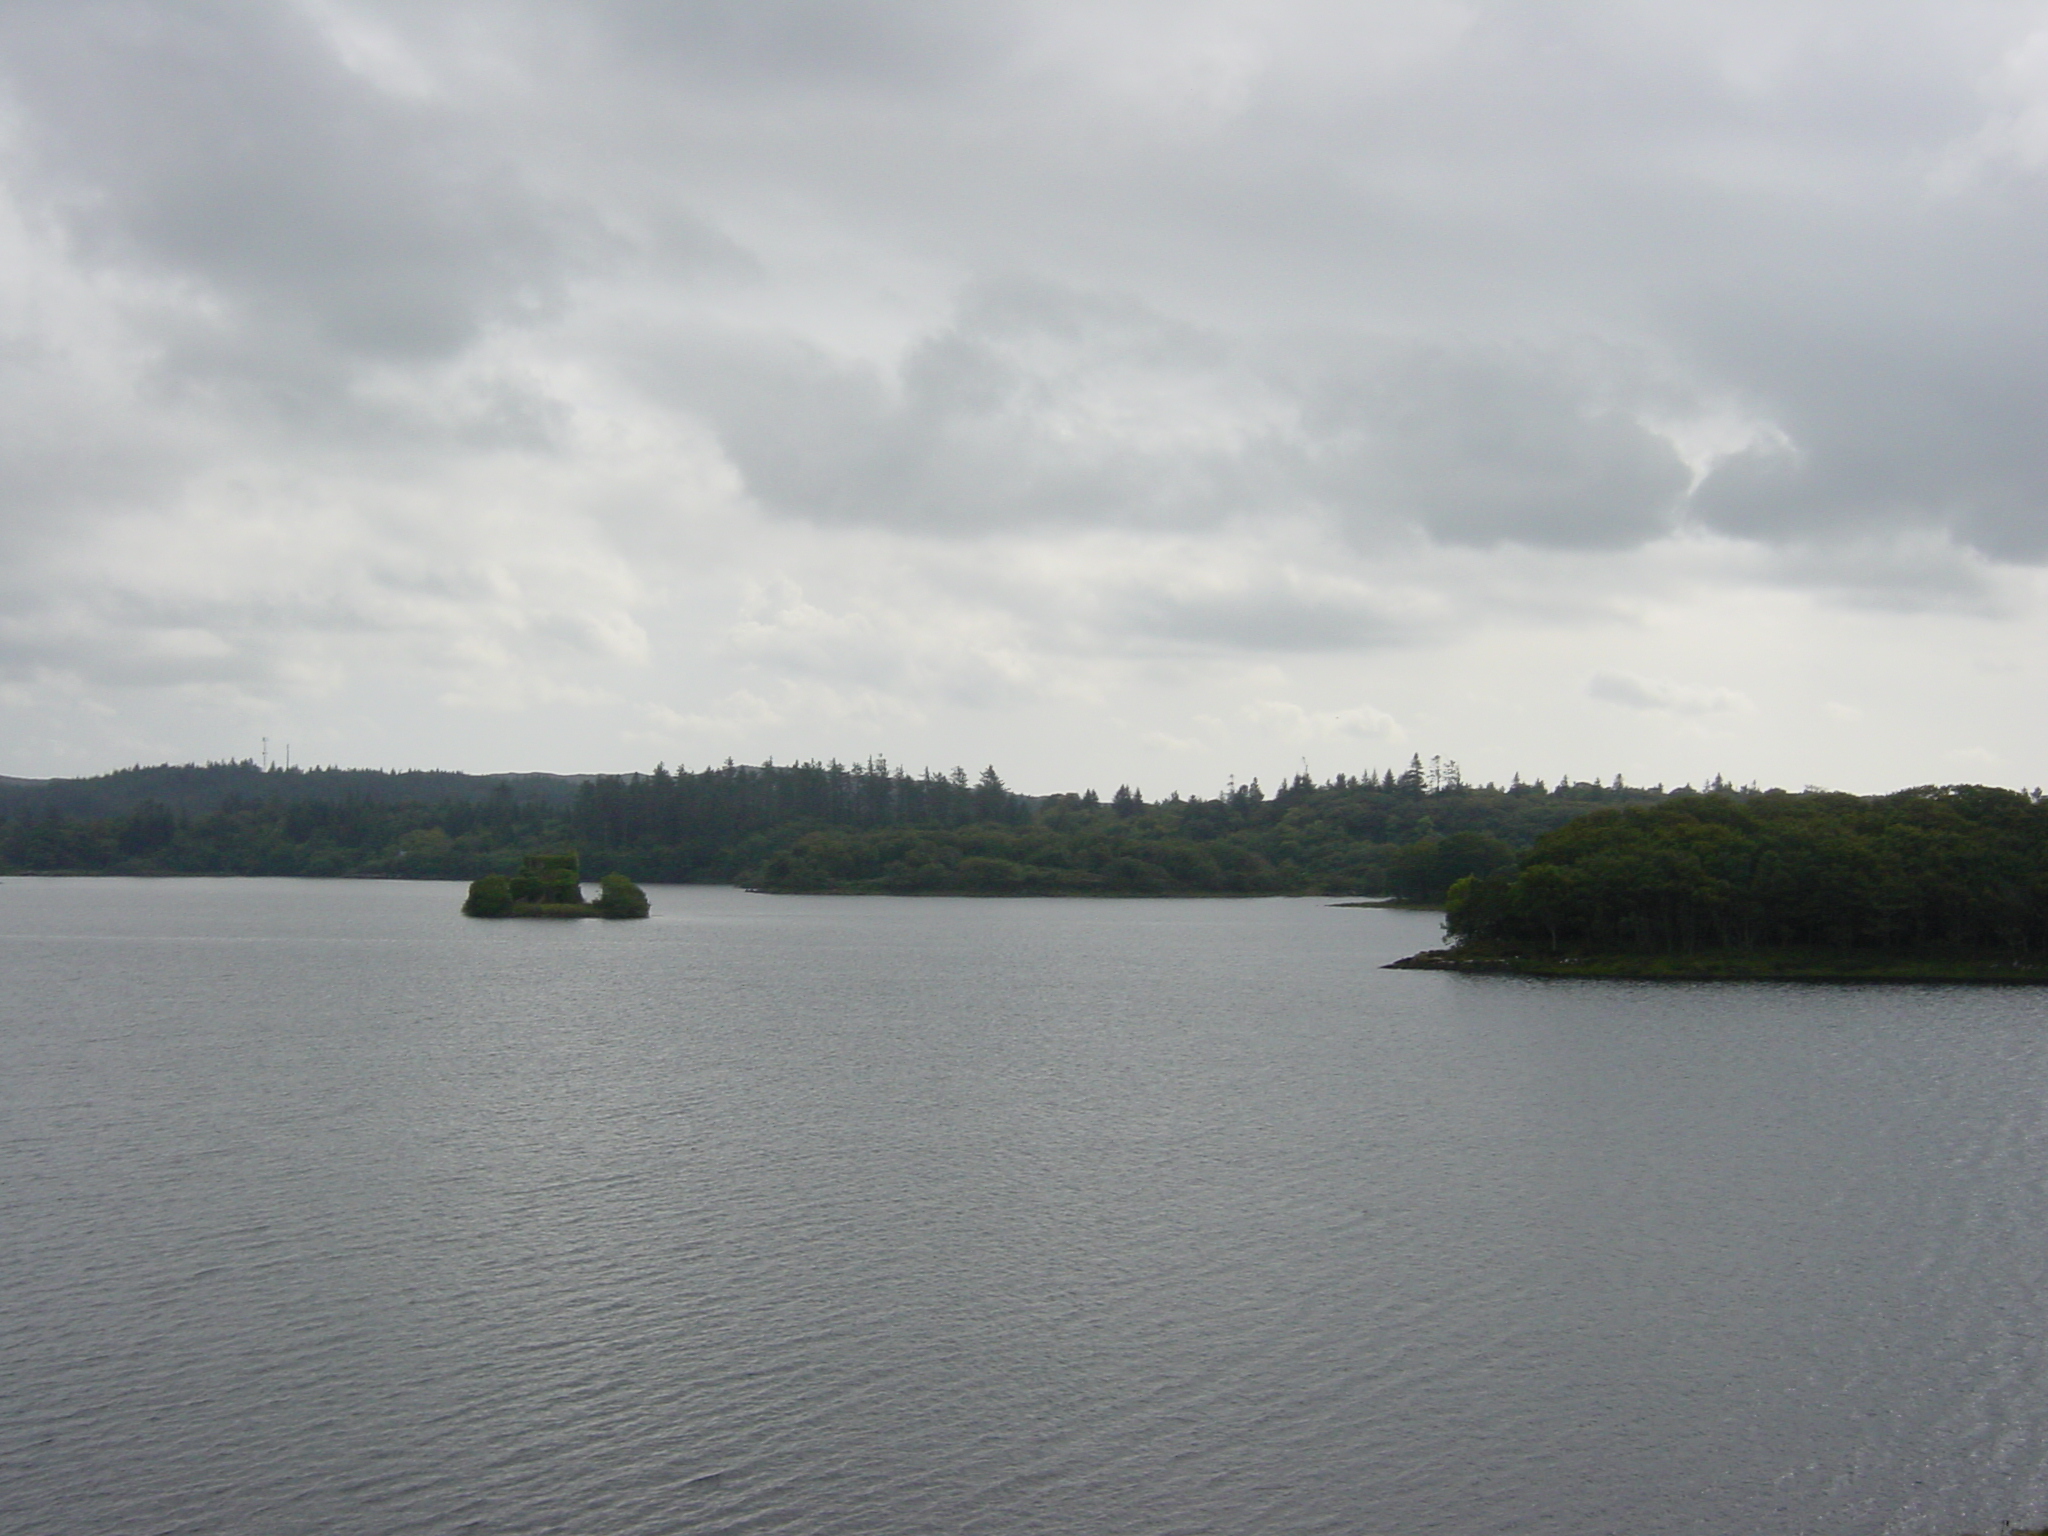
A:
{"x":1928,"y":884}
{"x":550,"y":885}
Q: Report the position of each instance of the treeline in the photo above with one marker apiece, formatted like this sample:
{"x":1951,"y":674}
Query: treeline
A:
{"x":1957,"y":870}
{"x":723,"y":824}
{"x":198,"y":788}
{"x":818,"y":827}
{"x":447,"y":840}
{"x":870,"y":828}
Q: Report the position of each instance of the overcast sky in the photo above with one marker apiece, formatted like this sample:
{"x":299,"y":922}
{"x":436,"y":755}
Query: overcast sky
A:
{"x":1114,"y":392}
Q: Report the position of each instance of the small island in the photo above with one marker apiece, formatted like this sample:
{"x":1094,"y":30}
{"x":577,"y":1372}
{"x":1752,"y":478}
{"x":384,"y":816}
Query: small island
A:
{"x":1938,"y":884}
{"x":550,"y":885}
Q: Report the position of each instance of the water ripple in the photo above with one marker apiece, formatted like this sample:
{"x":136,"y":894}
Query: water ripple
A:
{"x":327,"y":1211}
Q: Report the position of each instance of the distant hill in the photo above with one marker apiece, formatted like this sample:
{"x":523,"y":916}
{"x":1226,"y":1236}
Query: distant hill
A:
{"x":195,"y":789}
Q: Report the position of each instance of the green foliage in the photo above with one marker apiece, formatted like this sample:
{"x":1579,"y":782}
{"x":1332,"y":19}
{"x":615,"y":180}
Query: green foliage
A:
{"x":1950,"y":871}
{"x":148,"y":829}
{"x":802,"y":827}
{"x":723,"y":823}
{"x":1426,"y":869}
{"x":546,"y":885}
{"x":620,"y":897}
{"x":1350,"y":837}
{"x":552,"y":879}
{"x":432,"y":840}
{"x":489,"y":897}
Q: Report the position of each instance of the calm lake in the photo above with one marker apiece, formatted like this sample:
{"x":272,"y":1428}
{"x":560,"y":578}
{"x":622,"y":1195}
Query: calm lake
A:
{"x":325,"y":1209}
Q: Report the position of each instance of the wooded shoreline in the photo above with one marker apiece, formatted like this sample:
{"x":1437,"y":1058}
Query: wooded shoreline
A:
{"x":1936,"y":884}
{"x":1851,"y":967}
{"x":813,"y":828}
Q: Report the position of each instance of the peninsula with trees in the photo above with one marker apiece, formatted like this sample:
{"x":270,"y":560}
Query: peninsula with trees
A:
{"x":1930,"y":884}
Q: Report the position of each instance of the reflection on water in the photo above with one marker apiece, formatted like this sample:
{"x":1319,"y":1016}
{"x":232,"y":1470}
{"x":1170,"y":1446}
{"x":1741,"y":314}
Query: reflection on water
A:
{"x":327,"y":1210}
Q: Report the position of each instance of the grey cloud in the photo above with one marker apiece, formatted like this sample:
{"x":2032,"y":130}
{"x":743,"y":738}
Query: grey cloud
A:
{"x":1916,"y":571}
{"x":148,"y":659}
{"x":1748,"y":193}
{"x":1027,"y":411}
{"x":1040,"y":405}
{"x":1269,"y":615}
{"x":680,"y":241}
{"x":910,"y":44}
{"x":65,"y":460}
{"x":1937,"y":428}
{"x":1036,"y":406}
{"x":1635,"y":183}
{"x":160,"y":625}
{"x":113,"y":640}
{"x":1358,"y":278}
{"x":1661,"y":694}
{"x":1490,"y":445}
{"x":225,"y":145}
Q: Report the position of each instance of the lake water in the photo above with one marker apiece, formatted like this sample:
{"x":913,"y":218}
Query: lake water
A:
{"x":327,"y":1210}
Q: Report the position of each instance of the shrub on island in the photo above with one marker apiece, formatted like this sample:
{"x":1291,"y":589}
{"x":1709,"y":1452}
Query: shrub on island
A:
{"x":549,"y":885}
{"x":551,"y":879}
{"x":489,"y":897}
{"x":620,"y":897}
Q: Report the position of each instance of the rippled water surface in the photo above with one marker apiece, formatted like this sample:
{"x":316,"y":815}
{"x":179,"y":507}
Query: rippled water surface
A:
{"x":327,"y":1210}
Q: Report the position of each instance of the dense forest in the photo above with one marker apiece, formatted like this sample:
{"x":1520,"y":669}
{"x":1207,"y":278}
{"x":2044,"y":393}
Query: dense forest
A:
{"x":194,"y":788}
{"x":1933,"y":871}
{"x":811,"y":827}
